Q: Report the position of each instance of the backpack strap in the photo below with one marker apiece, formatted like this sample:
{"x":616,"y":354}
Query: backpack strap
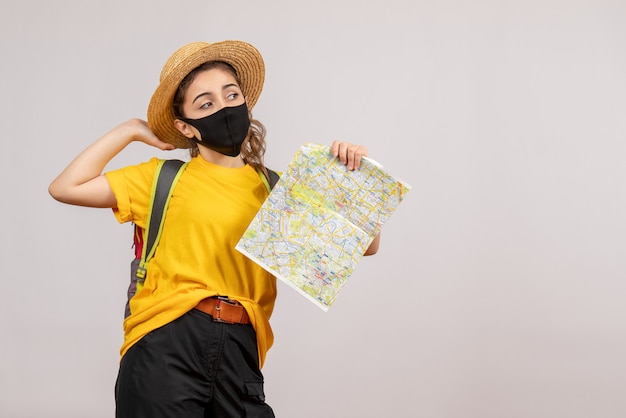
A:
{"x":167,"y":174}
{"x":271,"y":181}
{"x":274,"y":177}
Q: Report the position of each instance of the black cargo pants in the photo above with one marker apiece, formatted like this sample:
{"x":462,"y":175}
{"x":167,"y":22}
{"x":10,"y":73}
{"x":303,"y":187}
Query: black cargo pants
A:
{"x":192,"y":367}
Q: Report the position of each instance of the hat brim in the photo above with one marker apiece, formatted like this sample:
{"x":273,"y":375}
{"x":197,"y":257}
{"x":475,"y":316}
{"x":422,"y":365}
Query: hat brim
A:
{"x":243,"y":57}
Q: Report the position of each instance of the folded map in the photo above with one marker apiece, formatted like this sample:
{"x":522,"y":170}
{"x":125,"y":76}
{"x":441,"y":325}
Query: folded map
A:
{"x":319,"y":219}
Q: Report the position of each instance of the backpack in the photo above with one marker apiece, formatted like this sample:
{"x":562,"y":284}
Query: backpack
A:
{"x":146,"y":240}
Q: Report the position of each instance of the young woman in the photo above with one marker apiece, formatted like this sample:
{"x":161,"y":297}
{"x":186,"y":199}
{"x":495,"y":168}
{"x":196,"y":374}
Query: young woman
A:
{"x":179,"y":358}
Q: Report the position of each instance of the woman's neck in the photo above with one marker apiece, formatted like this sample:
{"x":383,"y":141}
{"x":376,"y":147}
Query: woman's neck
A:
{"x":215,"y":157}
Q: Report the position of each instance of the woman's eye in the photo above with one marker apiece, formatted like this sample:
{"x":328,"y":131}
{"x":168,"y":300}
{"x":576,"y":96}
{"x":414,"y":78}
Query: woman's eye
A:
{"x":206,"y":105}
{"x":233,"y":96}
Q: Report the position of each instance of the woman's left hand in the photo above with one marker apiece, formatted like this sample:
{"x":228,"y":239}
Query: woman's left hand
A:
{"x":349,"y":154}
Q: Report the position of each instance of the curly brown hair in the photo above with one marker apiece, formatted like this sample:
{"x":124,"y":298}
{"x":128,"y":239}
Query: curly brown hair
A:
{"x":253,"y":147}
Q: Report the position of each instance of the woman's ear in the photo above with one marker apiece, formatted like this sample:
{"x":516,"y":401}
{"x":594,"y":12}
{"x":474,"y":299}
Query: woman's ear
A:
{"x":183,"y":128}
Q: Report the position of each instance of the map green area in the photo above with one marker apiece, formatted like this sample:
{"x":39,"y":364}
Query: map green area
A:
{"x":319,"y":219}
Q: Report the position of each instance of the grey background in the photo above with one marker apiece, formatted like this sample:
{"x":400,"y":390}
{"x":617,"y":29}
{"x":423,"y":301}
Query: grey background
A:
{"x":499,"y":287}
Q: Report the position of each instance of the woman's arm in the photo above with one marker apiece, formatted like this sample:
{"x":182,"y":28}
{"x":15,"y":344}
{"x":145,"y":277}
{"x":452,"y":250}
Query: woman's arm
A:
{"x":350,"y":155}
{"x":82,"y":182}
{"x":373,"y":248}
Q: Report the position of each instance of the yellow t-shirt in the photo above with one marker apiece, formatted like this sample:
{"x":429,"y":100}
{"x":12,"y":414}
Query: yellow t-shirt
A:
{"x":210,"y":208}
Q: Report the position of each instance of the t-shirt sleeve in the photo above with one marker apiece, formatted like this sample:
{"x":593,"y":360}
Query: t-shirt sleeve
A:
{"x":132,"y":187}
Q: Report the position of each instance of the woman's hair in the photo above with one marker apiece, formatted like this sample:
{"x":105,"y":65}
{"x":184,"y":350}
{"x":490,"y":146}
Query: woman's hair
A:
{"x":253,"y":147}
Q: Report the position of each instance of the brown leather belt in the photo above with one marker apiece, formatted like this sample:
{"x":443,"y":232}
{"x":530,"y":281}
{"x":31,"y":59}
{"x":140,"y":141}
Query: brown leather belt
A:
{"x":224,"y":310}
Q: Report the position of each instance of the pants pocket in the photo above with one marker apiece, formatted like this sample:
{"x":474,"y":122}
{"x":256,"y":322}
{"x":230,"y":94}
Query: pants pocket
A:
{"x":254,"y":402}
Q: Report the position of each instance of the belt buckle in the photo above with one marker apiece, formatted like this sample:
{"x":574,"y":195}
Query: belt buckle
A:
{"x":218,"y":309}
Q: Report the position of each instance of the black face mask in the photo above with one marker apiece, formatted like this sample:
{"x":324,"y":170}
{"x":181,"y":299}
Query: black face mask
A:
{"x":224,"y":131}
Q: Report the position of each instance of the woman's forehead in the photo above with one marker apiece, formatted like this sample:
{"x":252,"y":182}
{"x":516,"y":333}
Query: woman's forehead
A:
{"x":214,"y":77}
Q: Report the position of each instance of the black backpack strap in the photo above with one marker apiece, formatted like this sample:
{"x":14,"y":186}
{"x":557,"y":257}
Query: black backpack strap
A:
{"x":162,"y":192}
{"x":167,"y":175}
{"x":274,"y":177}
{"x":271,"y":181}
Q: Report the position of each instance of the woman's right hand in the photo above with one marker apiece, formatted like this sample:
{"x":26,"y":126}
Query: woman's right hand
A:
{"x":139,"y":130}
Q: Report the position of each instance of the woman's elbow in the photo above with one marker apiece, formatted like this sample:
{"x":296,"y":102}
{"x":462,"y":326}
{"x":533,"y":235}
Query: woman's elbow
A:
{"x":95,"y":193}
{"x":373,"y":248}
{"x":56,"y":192}
{"x":370,"y":251}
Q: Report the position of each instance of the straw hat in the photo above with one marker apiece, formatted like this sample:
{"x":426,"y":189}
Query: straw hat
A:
{"x":245,"y":59}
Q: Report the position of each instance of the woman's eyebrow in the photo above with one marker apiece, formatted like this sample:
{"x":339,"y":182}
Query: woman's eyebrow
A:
{"x":200,"y":95}
{"x":229,"y":85}
{"x":208,"y":93}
